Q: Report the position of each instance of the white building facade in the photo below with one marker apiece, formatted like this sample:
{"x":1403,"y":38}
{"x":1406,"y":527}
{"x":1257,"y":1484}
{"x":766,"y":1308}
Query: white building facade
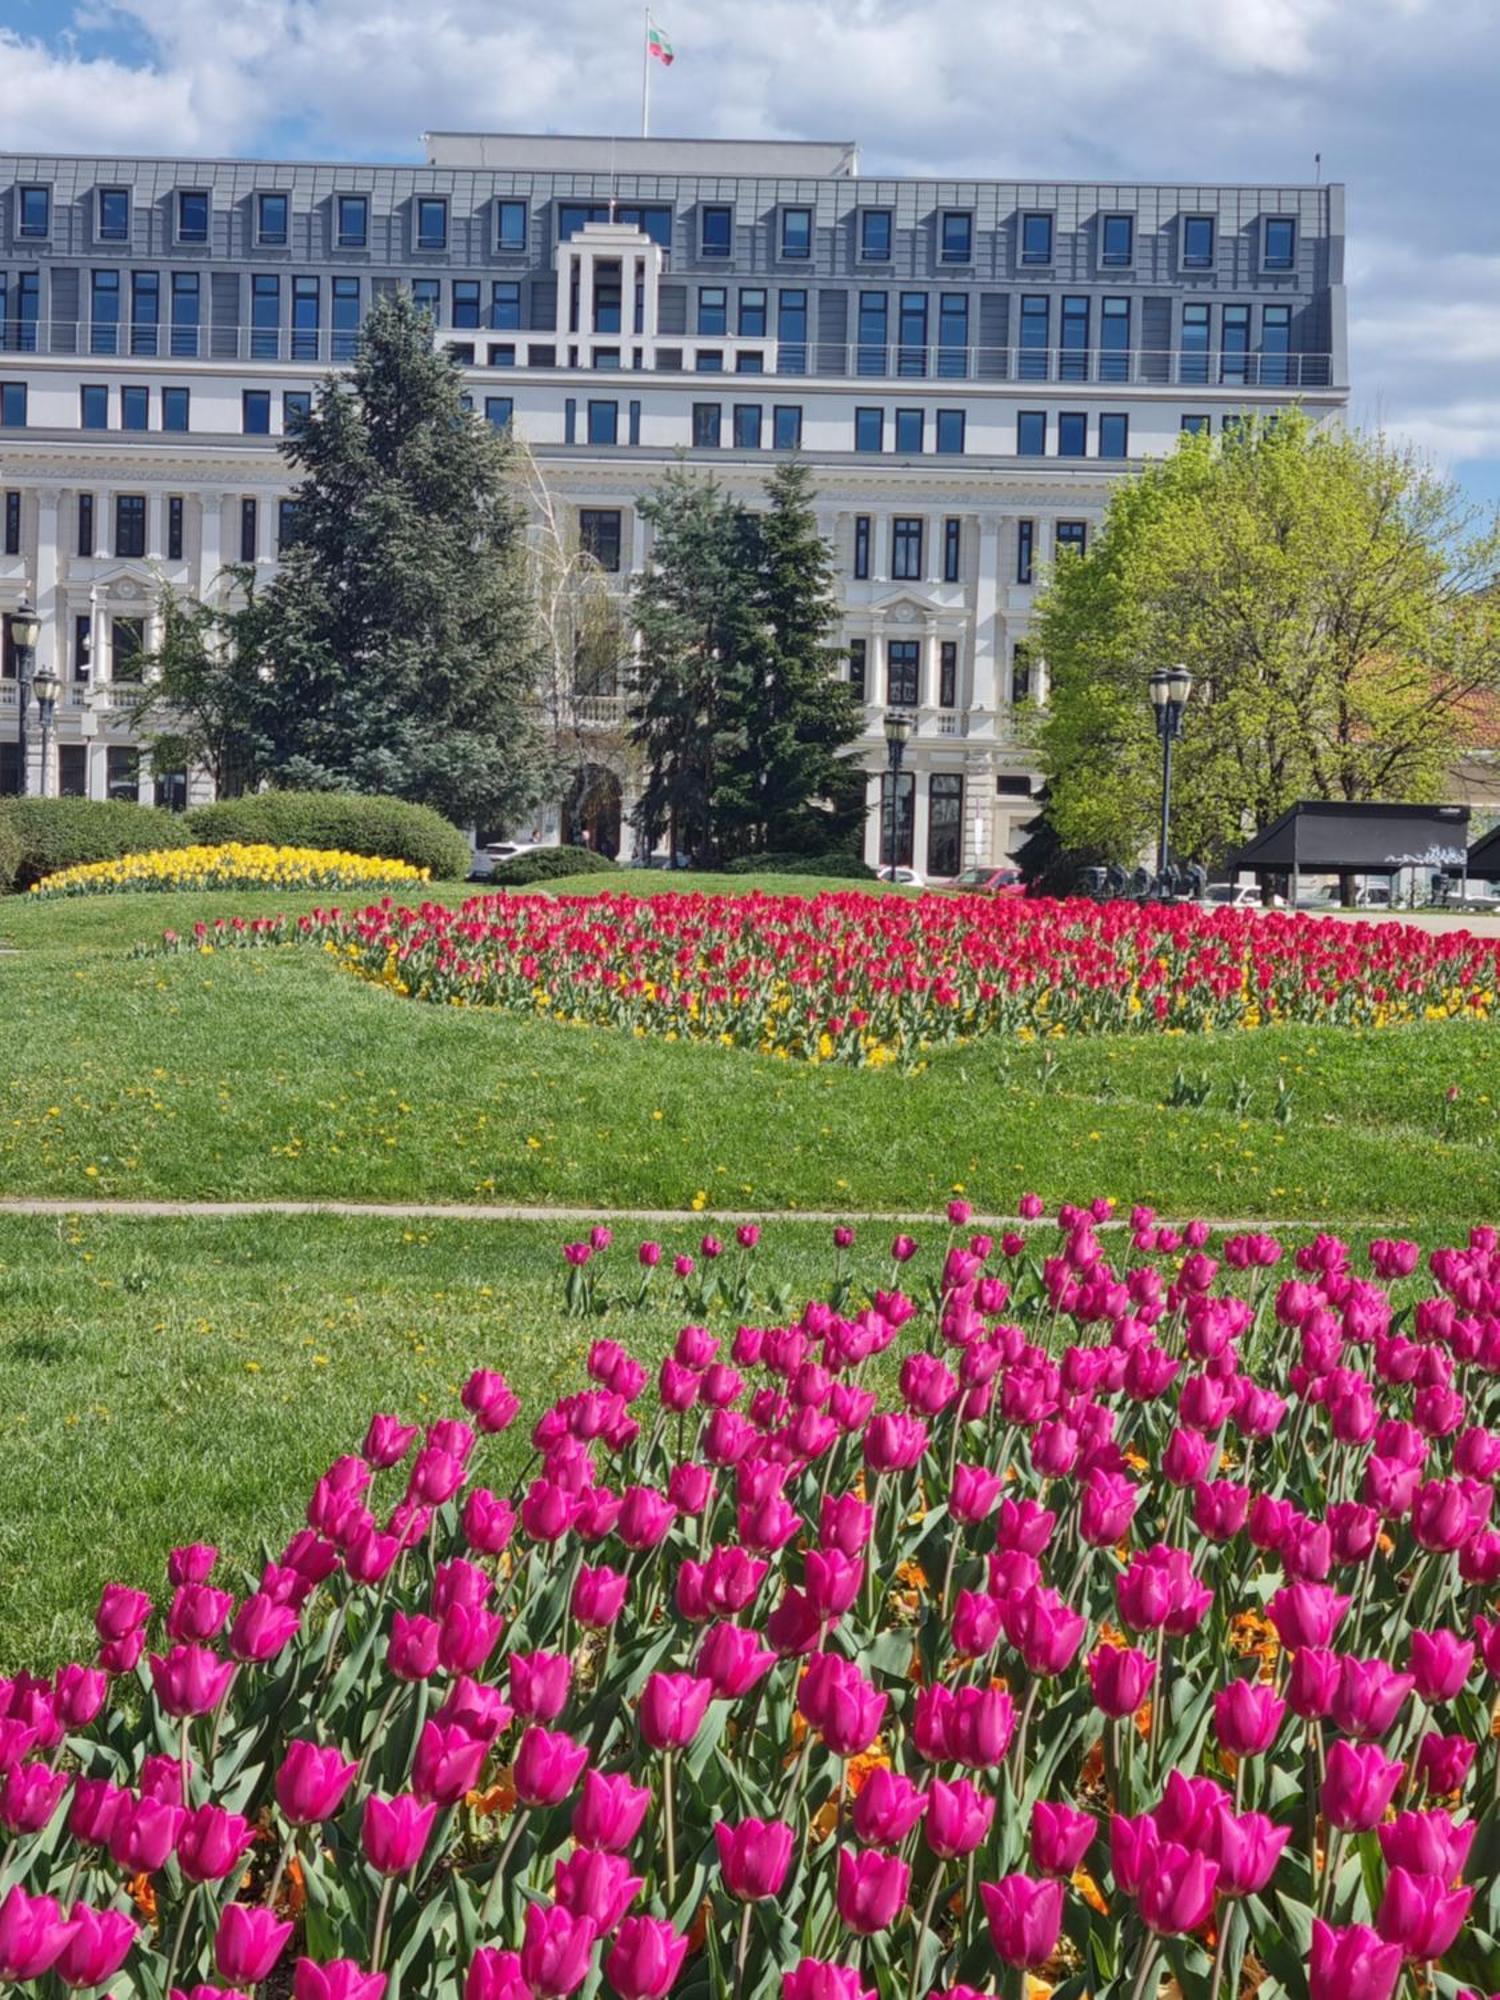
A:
{"x":967,"y":367}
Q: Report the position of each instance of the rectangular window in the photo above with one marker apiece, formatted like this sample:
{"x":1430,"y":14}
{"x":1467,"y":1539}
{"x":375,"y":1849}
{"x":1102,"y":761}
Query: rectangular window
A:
{"x":85,"y":524}
{"x":498,"y":411}
{"x":352,"y":221}
{"x":1036,"y":239}
{"x":1034,"y":360}
{"x":127,"y":648}
{"x":72,"y":771}
{"x":898,"y":809}
{"x":135,"y":409}
{"x":502,"y":354}
{"x":858,"y":652}
{"x":249,"y":530}
{"x":286,"y":525}
{"x":1114,"y":340}
{"x":35,"y":216}
{"x":875,"y":235}
{"x":83,"y":645}
{"x":1196,"y":426}
{"x":1192,"y":363}
{"x":1025,"y":550}
{"x":174,"y":409}
{"x":713,"y":311}
{"x":652,"y":221}
{"x":432,"y":222}
{"x":747,"y":426}
{"x":174,"y":527}
{"x":1278,"y":249}
{"x":716,"y":231}
{"x":1197,"y":242}
{"x":1072,"y":434}
{"x":910,"y":425}
{"x":708,"y":419}
{"x":265,"y":316}
{"x":511,"y":221}
{"x":862,"y":548}
{"x":1116,"y":241}
{"x":902,"y":671}
{"x":872,"y":358}
{"x":635,"y":421}
{"x":906,"y":548}
{"x":869,"y":430}
{"x":1275,"y":346}
{"x":945,"y":823}
{"x":12,"y":406}
{"x":604,"y":423}
{"x":1234,"y":360}
{"x":130,"y":524}
{"x":505,"y":305}
{"x":791,"y":332}
{"x":122,"y":772}
{"x":750,"y":362}
{"x":786,"y":427}
{"x":953,"y":335}
{"x":599,"y":535}
{"x":796,"y":232}
{"x":957,"y":238}
{"x":112,"y":216}
{"x":1031,"y":434}
{"x":12,"y":523}
{"x":93,"y":401}
{"x":145,"y":312}
{"x":104,"y":312}
{"x":427,"y":296}
{"x":185,"y":314}
{"x":1073,"y":340}
{"x":346,"y":317}
{"x":256,"y":412}
{"x":948,"y":684}
{"x":192,"y":215}
{"x":570,"y":420}
{"x":465,"y":302}
{"x":752,"y":314}
{"x":25,"y":313}
{"x":1071,"y":535}
{"x":912,"y":356}
{"x":1114,"y":436}
{"x":306,"y":315}
{"x":272,"y":220}
{"x":953,"y":549}
{"x":710,"y":361}
{"x":950,"y":433}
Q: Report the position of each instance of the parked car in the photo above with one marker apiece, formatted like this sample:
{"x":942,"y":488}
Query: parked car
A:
{"x":489,"y":857}
{"x":904,"y":878}
{"x":1237,"y":895}
{"x":990,"y":882}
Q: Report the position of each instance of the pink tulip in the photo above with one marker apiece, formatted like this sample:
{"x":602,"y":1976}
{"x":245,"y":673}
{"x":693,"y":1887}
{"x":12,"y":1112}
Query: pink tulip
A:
{"x":488,"y":1399}
{"x":1177,"y":1894}
{"x":211,"y":1844}
{"x":121,"y":1611}
{"x":190,"y":1680}
{"x":731,"y":1658}
{"x":599,"y":1596}
{"x":1369,"y":1697}
{"x":833,"y":1581}
{"x":958,"y":1818}
{"x":1060,"y":1837}
{"x":594,"y":1884}
{"x":1024,"y":1916}
{"x":1351,"y":1964}
{"x":973,"y":1494}
{"x":495,"y":1975}
{"x":30,"y":1796}
{"x":339,"y":1979}
{"x":754,"y":1857}
{"x":447,"y":1763}
{"x":1307,"y":1614}
{"x":1313,"y":1682}
{"x":886,"y":1809}
{"x":672,"y":1709}
{"x":1358,"y":1785}
{"x":871,"y":1889}
{"x":261,"y":1629}
{"x":412,"y":1652}
{"x":539,"y":1684}
{"x":1247,"y":1848}
{"x":609,"y":1812}
{"x":143,"y":1833}
{"x":98,"y":1946}
{"x":1247,"y":1715}
{"x":33,"y":1935}
{"x":387,"y":1441}
{"x":1440,"y":1664}
{"x":556,"y":1952}
{"x":1121,"y":1679}
{"x":547,"y":1766}
{"x":645,"y":1959}
{"x":394,"y":1832}
{"x":844,"y":1708}
{"x":816,"y":1979}
{"x":80,"y":1693}
{"x":95,"y":1806}
{"x":1420,"y":1914}
{"x":1442,"y":1763}
{"x":312,"y":1782}
{"x":1426,"y":1843}
{"x":248,"y":1942}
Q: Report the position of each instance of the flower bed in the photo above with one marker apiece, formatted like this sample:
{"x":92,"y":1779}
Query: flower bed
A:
{"x":1142,"y":1637}
{"x":231,"y":865}
{"x":855,"y":978}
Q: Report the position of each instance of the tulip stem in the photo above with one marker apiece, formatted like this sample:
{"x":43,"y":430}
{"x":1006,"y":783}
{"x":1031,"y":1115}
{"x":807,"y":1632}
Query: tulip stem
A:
{"x":182,"y":1924}
{"x":497,"y":1880}
{"x":381,"y":1911}
{"x":1147,"y":1966}
{"x":742,"y":1950}
{"x":923,"y":1927}
{"x":218,"y":1728}
{"x":1221,"y":1946}
{"x":182,"y":1752}
{"x":1331,"y":1858}
{"x":281,"y":1861}
{"x":670,"y":1828}
{"x":375,"y":1735}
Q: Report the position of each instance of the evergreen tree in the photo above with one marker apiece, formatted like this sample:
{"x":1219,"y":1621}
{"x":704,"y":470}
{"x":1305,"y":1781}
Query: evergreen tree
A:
{"x":394,"y":650}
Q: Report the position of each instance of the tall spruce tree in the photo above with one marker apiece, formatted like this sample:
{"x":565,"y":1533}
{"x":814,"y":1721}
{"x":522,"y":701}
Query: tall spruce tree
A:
{"x":739,"y":712}
{"x":394,"y":650}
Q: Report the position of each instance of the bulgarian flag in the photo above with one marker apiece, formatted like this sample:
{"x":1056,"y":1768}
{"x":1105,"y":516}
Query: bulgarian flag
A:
{"x":657,"y":45}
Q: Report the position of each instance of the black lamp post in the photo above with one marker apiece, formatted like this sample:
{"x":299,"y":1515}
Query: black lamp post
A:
{"x":897,"y":730}
{"x":48,"y":688}
{"x":25,"y":629}
{"x":1170,"y":688}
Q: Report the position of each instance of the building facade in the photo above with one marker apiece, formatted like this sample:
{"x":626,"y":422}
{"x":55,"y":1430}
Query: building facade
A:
{"x":967,"y":366}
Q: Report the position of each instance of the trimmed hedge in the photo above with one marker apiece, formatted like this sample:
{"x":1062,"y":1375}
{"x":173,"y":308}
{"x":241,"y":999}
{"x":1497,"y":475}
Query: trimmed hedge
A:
{"x":351,"y":822}
{"x":10,"y":854}
{"x":550,"y":864}
{"x":67,"y":833}
{"x":842,"y":866}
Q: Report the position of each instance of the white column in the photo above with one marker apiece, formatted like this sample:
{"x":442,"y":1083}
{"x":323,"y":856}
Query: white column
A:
{"x":155,"y":537}
{"x":986,"y":607}
{"x":873,"y":793}
{"x":651,"y":304}
{"x":265,"y":527}
{"x":919,"y":823}
{"x":585,"y":302}
{"x":927,"y":668}
{"x":565,"y":261}
{"x":211,"y":541}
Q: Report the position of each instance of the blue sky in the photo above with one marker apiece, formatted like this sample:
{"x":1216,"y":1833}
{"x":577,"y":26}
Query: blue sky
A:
{"x":1397,"y":95}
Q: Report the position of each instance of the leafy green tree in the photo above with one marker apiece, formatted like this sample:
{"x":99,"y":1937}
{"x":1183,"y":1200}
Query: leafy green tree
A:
{"x":739,"y":712}
{"x":1331,"y":597}
{"x":196,"y":705}
{"x":394,"y":650}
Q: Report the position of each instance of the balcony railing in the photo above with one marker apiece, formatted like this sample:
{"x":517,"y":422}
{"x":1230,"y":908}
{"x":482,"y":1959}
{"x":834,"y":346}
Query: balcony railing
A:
{"x":509,"y":349}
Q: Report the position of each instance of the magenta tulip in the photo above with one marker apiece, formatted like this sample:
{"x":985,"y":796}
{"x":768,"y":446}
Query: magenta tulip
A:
{"x":1358,"y":1785}
{"x":447,"y":1763}
{"x":886,"y":1809}
{"x":339,"y":1979}
{"x":871,"y":1889}
{"x":1247,"y":1715}
{"x":1351,"y":1964}
{"x":1421,"y":1914}
{"x":394,"y":1831}
{"x":547,"y":1766}
{"x":1024,"y":1916}
{"x":672,"y":1709}
{"x":212,"y":1843}
{"x":495,"y":1975}
{"x":594,"y":1884}
{"x":556,"y":1951}
{"x":1060,"y":1837}
{"x":190,"y":1680}
{"x":97,"y":1947}
{"x":33,"y":1935}
{"x":754,"y":1857}
{"x":247,"y":1943}
{"x":1177,"y":1894}
{"x":312,"y":1782}
{"x":816,"y":1979}
{"x":609,"y":1812}
{"x":958,"y":1818}
{"x":645,"y":1959}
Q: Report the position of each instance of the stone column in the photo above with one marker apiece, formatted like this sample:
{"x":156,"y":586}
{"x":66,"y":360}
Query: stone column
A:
{"x":211,"y":541}
{"x":156,"y":540}
{"x":982,"y":703}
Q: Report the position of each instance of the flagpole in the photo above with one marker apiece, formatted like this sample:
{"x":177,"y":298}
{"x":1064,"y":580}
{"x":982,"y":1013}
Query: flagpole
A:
{"x":646,"y":76}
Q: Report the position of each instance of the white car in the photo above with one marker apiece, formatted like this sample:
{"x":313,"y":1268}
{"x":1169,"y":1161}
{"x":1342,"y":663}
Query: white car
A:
{"x":488,"y":858}
{"x":1237,"y":896}
{"x":904,"y":878}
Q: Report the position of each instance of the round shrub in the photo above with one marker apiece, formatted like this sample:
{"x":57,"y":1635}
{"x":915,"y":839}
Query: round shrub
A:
{"x":353,"y":822}
{"x":550,"y":864}
{"x":54,"y":834}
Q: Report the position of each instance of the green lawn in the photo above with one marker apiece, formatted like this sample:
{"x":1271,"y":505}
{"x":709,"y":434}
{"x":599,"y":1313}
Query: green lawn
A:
{"x":273,"y":1073}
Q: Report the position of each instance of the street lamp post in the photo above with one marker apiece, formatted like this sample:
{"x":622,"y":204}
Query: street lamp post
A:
{"x":48,"y":687}
{"x":897,"y":730}
{"x":25,"y":629}
{"x":1170,"y":688}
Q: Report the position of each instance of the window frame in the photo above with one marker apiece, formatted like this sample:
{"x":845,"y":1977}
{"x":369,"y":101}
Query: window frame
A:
{"x":252,"y":400}
{"x":876,"y":256}
{"x":25,"y":231}
{"x":784,"y":250}
{"x":955,"y":255}
{"x":506,"y":242}
{"x":93,"y":395}
{"x":342,"y":239}
{"x":744,"y":304}
{"x":101,"y":234}
{"x":176,"y":514}
{"x":1024,"y":420}
{"x":707,"y":312}
{"x":1112,"y":260}
{"x":1108,"y":419}
{"x":1025,"y":551}
{"x":908,"y":548}
{"x":911,"y":662}
{"x":13,"y":398}
{"x":588,"y":544}
{"x":130,"y":508}
{"x":945,"y":823}
{"x":778,"y":411}
{"x":273,"y":240}
{"x":946,"y":420}
{"x":491,"y":412}
{"x":1040,"y":258}
{"x":707,"y":432}
{"x":862,"y":414}
{"x":135,"y":395}
{"x":862,"y":537}
{"x":421,"y":240}
{"x":11,"y":544}
{"x":599,"y":405}
{"x":718,"y":210}
{"x":1276,"y":266}
{"x":904,"y":418}
{"x":181,"y":234}
{"x":745,"y":410}
{"x":1070,"y":535}
{"x":859,"y":650}
{"x":1072,"y":425}
{"x":1191,"y":260}
{"x":953,"y":548}
{"x":175,"y":390}
{"x":947,"y":676}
